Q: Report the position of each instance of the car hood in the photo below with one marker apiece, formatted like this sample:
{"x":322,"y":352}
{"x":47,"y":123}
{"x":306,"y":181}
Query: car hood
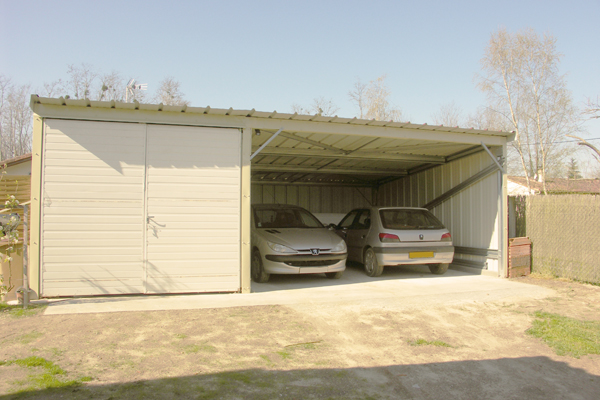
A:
{"x":301,"y":238}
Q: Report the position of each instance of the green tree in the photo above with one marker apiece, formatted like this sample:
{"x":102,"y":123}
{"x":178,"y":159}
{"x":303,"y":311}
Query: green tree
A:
{"x":573,"y":169}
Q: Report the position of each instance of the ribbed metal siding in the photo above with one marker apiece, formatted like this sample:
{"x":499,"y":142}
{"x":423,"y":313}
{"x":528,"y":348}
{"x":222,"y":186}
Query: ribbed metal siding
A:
{"x":316,"y":199}
{"x":92,"y":208}
{"x":193,"y":197}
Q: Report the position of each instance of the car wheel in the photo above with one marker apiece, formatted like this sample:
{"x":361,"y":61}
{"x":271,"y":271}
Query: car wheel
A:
{"x":258,"y":272}
{"x":334,"y":275}
{"x":372,"y":267}
{"x":438,"y":269}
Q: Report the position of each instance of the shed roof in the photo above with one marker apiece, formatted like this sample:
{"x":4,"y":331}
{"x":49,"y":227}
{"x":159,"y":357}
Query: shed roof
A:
{"x":311,"y":149}
{"x":559,"y":185}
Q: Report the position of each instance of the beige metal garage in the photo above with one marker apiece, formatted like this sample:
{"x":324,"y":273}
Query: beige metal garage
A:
{"x":140,"y":198}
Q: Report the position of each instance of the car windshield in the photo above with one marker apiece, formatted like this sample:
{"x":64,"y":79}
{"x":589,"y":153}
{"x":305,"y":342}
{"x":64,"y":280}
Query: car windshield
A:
{"x":409,"y":219}
{"x":285,"y":218}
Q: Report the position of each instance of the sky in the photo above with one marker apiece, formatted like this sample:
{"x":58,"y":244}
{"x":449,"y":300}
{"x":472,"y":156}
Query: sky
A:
{"x":269,"y":55}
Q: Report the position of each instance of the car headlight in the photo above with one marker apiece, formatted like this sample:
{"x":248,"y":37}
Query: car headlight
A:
{"x":340,"y":247}
{"x":279,"y":248}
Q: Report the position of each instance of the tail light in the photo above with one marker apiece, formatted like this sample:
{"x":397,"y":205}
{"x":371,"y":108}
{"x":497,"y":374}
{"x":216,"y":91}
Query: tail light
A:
{"x":446,"y":237}
{"x":388,"y":238}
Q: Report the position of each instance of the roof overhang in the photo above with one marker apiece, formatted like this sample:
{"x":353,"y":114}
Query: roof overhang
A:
{"x":310,"y":149}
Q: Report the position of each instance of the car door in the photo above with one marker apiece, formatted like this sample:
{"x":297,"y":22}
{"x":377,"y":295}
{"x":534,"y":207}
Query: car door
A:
{"x":357,"y":235}
{"x":343,"y":228}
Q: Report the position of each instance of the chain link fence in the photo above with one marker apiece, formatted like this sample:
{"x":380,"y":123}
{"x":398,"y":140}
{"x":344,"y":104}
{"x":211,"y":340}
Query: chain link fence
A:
{"x":565,"y":235}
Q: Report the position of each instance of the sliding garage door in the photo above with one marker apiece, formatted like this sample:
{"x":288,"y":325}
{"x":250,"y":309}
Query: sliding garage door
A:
{"x":135,"y":208}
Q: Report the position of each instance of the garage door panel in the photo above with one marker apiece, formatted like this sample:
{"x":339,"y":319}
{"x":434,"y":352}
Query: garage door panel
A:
{"x":104,"y":275}
{"x":78,"y":219}
{"x":97,"y":287}
{"x":100,"y":259}
{"x":60,"y":210}
{"x":69,"y":195}
{"x":129,"y":270}
{"x":191,"y":196}
{"x":75,"y":241}
{"x":192,"y":179}
{"x":196,"y":251}
{"x":160,"y":192}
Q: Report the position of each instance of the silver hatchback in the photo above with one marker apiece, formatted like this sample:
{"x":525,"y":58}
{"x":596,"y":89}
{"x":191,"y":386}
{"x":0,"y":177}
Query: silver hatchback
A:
{"x":385,"y":236}
{"x":288,"y":239}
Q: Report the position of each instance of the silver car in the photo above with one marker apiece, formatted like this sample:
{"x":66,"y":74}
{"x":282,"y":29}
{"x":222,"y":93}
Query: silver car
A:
{"x":288,"y":239}
{"x":382,"y":236}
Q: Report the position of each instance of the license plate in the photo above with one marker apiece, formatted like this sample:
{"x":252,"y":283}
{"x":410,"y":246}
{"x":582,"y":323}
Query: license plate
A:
{"x":420,"y":254}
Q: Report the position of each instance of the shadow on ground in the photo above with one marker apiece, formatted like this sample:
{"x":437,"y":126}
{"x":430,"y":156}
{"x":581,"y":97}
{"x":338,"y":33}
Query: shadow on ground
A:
{"x":354,"y":274}
{"x":506,"y":378}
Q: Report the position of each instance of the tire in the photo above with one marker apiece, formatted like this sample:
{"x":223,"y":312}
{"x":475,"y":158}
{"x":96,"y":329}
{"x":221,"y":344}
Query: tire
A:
{"x":372,"y":267}
{"x":438,"y":269}
{"x":334,"y":275}
{"x":257,"y":270}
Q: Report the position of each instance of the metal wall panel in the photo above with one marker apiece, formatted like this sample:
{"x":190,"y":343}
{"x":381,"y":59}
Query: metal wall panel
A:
{"x":92,"y":208}
{"x":316,"y":199}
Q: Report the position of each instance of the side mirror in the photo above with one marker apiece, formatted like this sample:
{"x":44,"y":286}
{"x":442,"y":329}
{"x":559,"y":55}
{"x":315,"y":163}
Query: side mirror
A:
{"x":332,"y":226}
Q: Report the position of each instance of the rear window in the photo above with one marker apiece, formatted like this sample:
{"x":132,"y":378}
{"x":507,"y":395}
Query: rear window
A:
{"x":409,"y":219}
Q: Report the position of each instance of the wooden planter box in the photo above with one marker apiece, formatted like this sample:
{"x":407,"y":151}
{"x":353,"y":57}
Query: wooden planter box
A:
{"x":519,"y":257}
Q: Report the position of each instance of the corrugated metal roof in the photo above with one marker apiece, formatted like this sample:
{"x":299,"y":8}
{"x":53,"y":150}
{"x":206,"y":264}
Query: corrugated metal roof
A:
{"x":310,"y":149}
{"x":260,"y":114}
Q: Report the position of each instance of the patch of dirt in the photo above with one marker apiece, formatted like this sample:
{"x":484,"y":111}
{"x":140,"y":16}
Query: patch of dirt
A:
{"x":316,"y":351}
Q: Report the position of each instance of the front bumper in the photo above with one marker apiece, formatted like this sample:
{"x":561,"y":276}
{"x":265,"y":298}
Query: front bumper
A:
{"x":304,"y":264}
{"x":402,"y":255}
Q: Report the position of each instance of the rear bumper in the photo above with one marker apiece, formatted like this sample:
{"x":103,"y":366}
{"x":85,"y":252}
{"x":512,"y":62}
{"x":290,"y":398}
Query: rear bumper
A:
{"x":402,"y":255}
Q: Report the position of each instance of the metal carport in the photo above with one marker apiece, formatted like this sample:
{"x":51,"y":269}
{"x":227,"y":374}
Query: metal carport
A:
{"x":330,"y":164}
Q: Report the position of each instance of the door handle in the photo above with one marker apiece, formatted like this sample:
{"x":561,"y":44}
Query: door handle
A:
{"x":363,"y":236}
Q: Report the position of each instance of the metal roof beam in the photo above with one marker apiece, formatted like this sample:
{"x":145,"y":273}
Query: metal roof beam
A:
{"x":312,"y":142}
{"x":361,"y":155}
{"x":311,"y":183}
{"x":326,"y":170}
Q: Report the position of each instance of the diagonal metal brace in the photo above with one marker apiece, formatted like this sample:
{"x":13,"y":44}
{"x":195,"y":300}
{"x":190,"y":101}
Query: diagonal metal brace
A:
{"x":493,"y":158}
{"x":266,"y":143}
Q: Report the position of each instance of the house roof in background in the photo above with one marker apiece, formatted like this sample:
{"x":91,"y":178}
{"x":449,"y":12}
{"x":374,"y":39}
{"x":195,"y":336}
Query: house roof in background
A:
{"x":16,"y":160}
{"x":560,"y":185}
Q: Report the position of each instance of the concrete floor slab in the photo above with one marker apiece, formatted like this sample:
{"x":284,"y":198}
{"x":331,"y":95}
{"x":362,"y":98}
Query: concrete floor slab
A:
{"x":397,"y":288}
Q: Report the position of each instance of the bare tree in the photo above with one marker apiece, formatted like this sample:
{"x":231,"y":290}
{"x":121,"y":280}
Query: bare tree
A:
{"x":372,"y":100}
{"x":448,"y":115}
{"x":52,"y":89}
{"x":112,"y":87}
{"x":593,"y":108}
{"x":15,"y":119}
{"x":169,"y":93}
{"x":583,"y":142}
{"x":81,"y":82}
{"x":320,"y":106}
{"x":523,"y":85}
{"x":358,"y":96}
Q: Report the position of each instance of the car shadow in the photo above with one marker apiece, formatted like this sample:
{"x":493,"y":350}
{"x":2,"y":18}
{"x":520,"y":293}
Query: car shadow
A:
{"x":354,"y":274}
